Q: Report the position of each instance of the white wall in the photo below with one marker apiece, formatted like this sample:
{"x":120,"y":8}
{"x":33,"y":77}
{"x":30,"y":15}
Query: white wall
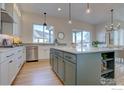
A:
{"x":100,"y":32}
{"x":60,"y":25}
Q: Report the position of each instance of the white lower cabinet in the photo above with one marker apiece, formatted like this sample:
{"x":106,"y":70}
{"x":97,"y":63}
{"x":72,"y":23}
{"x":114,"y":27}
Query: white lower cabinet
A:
{"x":4,"y":73}
{"x":11,"y":64}
{"x":12,"y":70}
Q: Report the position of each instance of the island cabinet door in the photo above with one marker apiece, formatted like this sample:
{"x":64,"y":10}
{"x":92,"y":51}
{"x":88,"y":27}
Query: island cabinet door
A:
{"x":61,"y":68}
{"x":52,"y":60}
{"x":55,"y":64}
{"x":70,"y":70}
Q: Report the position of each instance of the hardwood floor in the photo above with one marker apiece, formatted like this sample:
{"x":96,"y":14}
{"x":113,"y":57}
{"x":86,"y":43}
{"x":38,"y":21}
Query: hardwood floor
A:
{"x":40,"y":73}
{"x":36,"y":73}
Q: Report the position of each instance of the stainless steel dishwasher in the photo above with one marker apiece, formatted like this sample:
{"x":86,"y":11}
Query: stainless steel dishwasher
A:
{"x":31,"y":53}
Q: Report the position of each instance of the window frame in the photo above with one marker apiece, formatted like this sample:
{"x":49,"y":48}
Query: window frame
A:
{"x":82,"y":42}
{"x":50,"y":35}
{"x":118,"y":37}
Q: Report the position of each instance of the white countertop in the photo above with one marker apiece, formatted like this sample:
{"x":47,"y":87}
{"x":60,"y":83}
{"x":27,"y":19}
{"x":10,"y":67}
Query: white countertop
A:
{"x":8,"y":49}
{"x":88,"y":50}
{"x":5,"y":49}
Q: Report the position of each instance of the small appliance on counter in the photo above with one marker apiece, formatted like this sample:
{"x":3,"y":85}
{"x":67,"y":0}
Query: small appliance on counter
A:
{"x":6,"y":43}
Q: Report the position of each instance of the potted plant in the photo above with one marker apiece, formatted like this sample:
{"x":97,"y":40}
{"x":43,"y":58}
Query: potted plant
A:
{"x":95,"y":43}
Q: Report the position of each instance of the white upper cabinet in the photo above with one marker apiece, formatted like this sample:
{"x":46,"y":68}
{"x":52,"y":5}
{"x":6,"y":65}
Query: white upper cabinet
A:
{"x":10,"y":27}
{"x":17,"y":20}
{"x":7,"y":18}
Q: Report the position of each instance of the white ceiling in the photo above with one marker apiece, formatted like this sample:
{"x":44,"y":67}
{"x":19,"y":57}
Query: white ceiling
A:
{"x":99,"y":12}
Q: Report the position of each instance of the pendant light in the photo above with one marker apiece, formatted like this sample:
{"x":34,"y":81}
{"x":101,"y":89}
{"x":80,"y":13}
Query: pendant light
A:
{"x":88,"y":8}
{"x":110,"y":29}
{"x":70,"y":21}
{"x":44,"y":24}
{"x":111,"y":26}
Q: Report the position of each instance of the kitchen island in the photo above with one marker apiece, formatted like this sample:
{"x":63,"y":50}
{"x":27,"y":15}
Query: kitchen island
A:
{"x":83,"y":66}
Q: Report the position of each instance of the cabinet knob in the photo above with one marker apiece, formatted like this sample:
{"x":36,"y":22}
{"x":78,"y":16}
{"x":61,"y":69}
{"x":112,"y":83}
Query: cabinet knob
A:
{"x":10,"y":61}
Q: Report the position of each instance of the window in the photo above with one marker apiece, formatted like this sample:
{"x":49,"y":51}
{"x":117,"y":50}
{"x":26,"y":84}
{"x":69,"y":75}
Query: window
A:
{"x":119,"y":37}
{"x":43,"y":34}
{"x":81,"y":38}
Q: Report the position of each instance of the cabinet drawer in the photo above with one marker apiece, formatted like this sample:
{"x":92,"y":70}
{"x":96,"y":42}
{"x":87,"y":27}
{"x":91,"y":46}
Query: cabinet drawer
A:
{"x":20,"y":51}
{"x":5,"y":56}
{"x":70,"y":57}
{"x":59,"y":53}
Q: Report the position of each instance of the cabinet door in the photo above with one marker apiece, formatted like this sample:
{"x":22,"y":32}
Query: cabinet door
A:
{"x":4,"y":73}
{"x":12,"y":70}
{"x":7,"y":28}
{"x":17,"y":19}
{"x":70,"y":70}
{"x":55,"y":64}
{"x":52,"y":60}
{"x":19,"y":62}
{"x":23,"y":55}
{"x":61,"y":68}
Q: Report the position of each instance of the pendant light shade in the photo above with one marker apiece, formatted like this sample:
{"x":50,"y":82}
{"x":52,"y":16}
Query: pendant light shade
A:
{"x":70,"y":21}
{"x":45,"y":24}
{"x":88,"y":8}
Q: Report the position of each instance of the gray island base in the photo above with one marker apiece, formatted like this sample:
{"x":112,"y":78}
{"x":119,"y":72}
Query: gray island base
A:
{"x":83,"y":67}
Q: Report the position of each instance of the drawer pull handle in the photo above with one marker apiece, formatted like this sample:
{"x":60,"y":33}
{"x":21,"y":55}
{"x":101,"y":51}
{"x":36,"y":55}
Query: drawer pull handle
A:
{"x":10,"y":61}
{"x":68,"y":57}
{"x":10,"y":55}
{"x":19,"y":50}
{"x":20,"y":57}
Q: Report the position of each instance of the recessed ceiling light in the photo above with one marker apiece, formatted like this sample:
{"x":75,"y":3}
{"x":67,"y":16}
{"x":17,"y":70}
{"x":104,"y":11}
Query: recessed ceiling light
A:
{"x":59,"y":9}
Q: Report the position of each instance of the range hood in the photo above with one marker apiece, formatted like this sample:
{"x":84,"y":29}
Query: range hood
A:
{"x":5,"y":17}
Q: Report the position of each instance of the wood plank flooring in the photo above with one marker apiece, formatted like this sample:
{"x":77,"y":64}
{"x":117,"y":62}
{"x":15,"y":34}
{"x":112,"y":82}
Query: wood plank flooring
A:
{"x":40,"y":73}
{"x":36,"y":73}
